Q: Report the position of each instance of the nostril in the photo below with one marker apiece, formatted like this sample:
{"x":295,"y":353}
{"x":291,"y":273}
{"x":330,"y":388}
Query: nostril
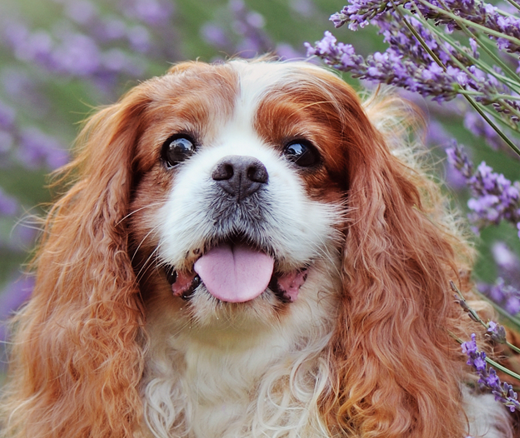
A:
{"x":240,"y":176}
{"x":223,"y":171}
{"x":257,"y":173}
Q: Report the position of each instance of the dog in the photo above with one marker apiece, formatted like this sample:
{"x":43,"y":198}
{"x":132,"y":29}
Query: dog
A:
{"x":247,"y":249}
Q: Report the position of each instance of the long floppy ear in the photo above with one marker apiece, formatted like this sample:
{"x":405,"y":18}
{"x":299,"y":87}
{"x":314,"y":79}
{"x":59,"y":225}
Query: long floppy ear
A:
{"x":76,"y":359}
{"x":398,"y":370}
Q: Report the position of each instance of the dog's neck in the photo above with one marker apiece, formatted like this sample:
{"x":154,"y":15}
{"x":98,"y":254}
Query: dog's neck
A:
{"x":227,"y":383}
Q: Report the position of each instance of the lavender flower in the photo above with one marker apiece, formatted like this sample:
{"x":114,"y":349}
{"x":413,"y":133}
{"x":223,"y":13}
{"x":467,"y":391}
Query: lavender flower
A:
{"x":8,"y":204}
{"x":390,"y":67}
{"x":84,"y":48}
{"x":488,"y":378}
{"x":506,"y":289}
{"x":7,"y":116}
{"x":475,"y":124}
{"x":154,"y":13}
{"x":11,"y":298}
{"x":505,"y":295}
{"x":406,"y":64}
{"x":359,"y":13}
{"x":248,"y":37}
{"x":35,"y":149}
{"x":420,"y":59}
{"x":507,"y":262}
{"x":497,"y":332}
{"x":215,"y":35}
{"x":495,"y":197}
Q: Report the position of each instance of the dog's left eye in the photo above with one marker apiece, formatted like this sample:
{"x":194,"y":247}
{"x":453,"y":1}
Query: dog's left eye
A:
{"x":302,"y":153}
{"x":177,"y":149}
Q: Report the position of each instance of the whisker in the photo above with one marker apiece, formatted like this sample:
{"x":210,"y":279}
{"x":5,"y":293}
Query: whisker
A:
{"x":146,"y":265}
{"x":154,"y":204}
{"x":142,"y":241}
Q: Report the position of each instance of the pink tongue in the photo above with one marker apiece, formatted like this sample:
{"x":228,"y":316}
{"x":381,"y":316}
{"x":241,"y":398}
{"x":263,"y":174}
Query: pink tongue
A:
{"x":235,"y":273}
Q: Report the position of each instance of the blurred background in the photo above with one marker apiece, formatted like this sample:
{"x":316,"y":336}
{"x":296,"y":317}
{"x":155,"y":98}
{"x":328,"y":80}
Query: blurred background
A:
{"x":60,"y":59}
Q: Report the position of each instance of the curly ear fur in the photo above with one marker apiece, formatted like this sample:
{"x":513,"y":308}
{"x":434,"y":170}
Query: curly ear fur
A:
{"x":76,"y":346}
{"x":397,"y":368}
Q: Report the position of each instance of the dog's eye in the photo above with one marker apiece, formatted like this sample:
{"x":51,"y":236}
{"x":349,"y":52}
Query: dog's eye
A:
{"x":302,"y":153}
{"x":177,"y":149}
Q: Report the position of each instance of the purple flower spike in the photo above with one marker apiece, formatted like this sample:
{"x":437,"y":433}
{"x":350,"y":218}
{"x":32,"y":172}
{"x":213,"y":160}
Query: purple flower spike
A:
{"x":8,"y":204}
{"x":497,"y":332}
{"x":488,"y":378}
{"x":409,"y":65}
{"x":505,"y":295}
{"x":495,"y":198}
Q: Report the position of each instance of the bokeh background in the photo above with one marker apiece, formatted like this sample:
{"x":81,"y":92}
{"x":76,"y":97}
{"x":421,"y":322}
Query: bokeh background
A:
{"x":60,"y":59}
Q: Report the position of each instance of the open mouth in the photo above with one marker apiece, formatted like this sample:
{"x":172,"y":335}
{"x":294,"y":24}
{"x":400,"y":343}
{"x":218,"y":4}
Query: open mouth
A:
{"x":236,"y":272}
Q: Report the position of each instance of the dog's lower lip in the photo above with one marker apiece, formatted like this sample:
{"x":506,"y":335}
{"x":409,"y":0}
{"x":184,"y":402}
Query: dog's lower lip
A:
{"x":187,"y":283}
{"x":171,"y":275}
{"x":285,"y":295}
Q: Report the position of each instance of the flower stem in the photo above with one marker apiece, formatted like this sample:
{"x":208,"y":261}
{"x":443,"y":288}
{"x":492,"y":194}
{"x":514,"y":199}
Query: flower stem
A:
{"x":475,"y":316}
{"x":482,"y":42}
{"x":515,"y":322}
{"x":513,"y":3}
{"x":502,"y":368}
{"x":418,"y":37}
{"x":511,"y":82}
{"x":468,"y":98}
{"x":470,"y":23}
{"x":492,"y":124}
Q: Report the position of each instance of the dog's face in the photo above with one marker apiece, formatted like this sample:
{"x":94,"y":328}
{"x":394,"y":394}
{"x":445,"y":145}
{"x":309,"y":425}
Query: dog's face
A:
{"x":237,"y":215}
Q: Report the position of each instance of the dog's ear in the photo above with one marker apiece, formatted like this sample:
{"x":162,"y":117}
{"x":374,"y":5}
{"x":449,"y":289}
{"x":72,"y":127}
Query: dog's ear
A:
{"x":397,"y":368}
{"x":76,"y":357}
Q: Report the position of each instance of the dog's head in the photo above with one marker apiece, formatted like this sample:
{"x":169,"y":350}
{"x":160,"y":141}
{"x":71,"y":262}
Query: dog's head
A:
{"x":244,"y":196}
{"x":238,"y":212}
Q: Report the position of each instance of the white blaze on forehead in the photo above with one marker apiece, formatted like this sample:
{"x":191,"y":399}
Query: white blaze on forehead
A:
{"x":255,"y":82}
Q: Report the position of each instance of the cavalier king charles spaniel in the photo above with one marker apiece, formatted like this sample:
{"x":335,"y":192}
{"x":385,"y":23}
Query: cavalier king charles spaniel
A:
{"x":247,"y":249}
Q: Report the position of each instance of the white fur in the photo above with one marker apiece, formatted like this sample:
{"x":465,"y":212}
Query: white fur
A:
{"x":227,"y":373}
{"x":486,"y":417}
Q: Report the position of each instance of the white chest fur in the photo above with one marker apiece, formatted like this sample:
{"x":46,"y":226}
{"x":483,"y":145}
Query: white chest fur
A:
{"x":254,"y":385}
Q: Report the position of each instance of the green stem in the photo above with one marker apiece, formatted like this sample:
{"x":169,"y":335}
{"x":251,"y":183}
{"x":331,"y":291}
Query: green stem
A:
{"x":468,"y":98}
{"x":471,"y":23}
{"x":418,"y":37}
{"x":483,"y":44}
{"x":515,"y":322}
{"x":511,"y":82}
{"x":493,"y":97}
{"x":475,"y":316}
{"x":511,"y":2}
{"x":492,"y":362}
{"x":492,"y":124}
{"x":495,"y":58}
{"x":502,"y":368}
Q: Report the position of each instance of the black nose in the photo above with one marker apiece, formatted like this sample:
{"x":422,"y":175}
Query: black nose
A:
{"x":239,"y":175}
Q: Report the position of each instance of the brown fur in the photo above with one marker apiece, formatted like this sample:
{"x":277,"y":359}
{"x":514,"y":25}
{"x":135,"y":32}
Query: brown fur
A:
{"x":78,"y":349}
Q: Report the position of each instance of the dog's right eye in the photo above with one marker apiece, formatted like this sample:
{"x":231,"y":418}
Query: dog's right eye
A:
{"x":177,"y":149}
